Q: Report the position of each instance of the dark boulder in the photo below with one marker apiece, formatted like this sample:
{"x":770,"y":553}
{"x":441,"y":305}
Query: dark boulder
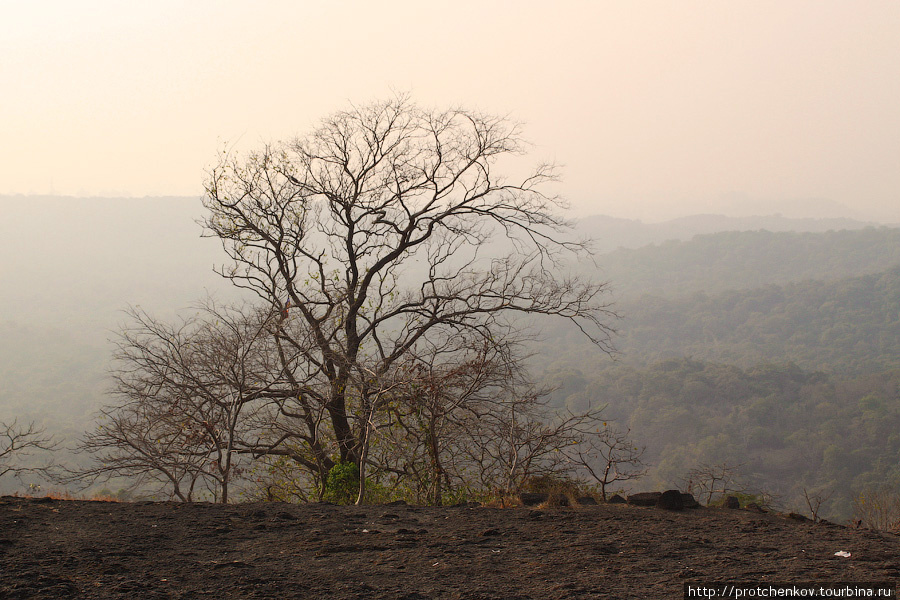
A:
{"x":689,"y":501}
{"x":617,"y":499}
{"x":533,"y":498}
{"x":644,"y":498}
{"x":587,"y":501}
{"x":732,"y":502}
{"x":670,"y":500}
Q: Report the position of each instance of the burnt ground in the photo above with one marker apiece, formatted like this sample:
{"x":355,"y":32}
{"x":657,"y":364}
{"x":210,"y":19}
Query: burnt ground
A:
{"x":155,"y":550}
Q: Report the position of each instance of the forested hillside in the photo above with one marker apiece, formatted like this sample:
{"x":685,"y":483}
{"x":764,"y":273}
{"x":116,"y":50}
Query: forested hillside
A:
{"x":849,"y":325}
{"x":797,"y":382}
{"x":785,"y":429}
{"x":50,"y":376}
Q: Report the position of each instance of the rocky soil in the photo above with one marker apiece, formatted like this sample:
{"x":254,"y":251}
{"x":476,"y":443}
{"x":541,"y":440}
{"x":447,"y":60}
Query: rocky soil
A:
{"x":155,"y":550}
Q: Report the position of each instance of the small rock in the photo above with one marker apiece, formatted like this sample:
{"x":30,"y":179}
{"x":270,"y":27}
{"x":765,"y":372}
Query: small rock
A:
{"x":617,"y":499}
{"x":732,"y":502}
{"x":587,"y":501}
{"x":490,"y":532}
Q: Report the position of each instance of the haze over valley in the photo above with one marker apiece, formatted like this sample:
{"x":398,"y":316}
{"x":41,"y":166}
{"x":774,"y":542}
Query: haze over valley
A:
{"x":729,"y":312}
{"x":387,"y":184}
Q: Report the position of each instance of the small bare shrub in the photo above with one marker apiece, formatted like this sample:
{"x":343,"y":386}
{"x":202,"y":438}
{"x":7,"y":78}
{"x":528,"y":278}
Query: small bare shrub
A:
{"x":707,"y":482}
{"x":814,"y":501}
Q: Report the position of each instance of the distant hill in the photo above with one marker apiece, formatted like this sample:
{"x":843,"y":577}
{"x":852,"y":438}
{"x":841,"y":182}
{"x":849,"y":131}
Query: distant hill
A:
{"x":741,"y":260}
{"x":611,"y":233}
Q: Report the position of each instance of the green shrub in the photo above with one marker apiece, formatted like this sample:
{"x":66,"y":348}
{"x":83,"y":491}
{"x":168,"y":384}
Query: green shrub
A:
{"x":342,"y":485}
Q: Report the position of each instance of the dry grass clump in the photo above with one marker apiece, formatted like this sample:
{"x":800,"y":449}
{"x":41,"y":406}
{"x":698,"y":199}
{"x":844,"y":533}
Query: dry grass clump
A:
{"x":878,"y":508}
{"x":561,"y":491}
{"x":502,"y":501}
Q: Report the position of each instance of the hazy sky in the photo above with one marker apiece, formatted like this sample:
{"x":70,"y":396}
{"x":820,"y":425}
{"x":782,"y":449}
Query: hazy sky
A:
{"x":655,"y":108}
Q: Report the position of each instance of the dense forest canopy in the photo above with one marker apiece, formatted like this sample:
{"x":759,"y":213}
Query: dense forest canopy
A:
{"x":845,"y":326}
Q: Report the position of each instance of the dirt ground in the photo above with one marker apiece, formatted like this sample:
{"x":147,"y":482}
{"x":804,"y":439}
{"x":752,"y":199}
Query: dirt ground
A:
{"x":154,"y":550}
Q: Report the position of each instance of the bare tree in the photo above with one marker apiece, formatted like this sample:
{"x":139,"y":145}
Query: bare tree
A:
{"x":521,"y":438}
{"x":20,"y":441}
{"x":194,"y":399}
{"x":146,"y":443}
{"x":369,"y":237}
{"x":714,"y":480}
{"x":609,"y":456}
{"x":467,"y":421}
{"x":429,"y":422}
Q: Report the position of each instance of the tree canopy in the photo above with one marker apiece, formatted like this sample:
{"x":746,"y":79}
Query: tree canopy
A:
{"x":381,"y":304}
{"x":325,"y":228}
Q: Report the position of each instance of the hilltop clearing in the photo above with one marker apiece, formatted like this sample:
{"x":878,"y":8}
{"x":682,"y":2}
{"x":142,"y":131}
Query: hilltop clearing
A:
{"x":75,"y":549}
